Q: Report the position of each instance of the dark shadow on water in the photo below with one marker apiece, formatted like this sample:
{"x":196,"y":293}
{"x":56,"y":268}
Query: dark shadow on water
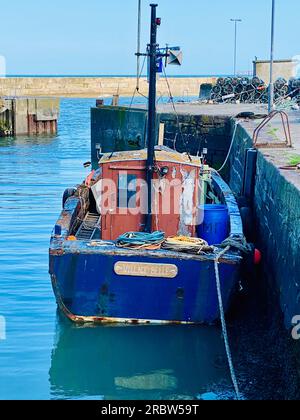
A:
{"x":33,"y":140}
{"x":261,"y":346}
{"x":136,"y":362}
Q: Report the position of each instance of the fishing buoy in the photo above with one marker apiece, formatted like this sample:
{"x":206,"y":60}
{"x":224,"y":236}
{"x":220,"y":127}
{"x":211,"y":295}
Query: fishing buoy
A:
{"x":71,"y":238}
{"x":257,"y":256}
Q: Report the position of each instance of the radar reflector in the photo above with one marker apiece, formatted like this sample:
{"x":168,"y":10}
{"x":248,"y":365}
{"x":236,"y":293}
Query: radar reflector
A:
{"x":175,"y":56}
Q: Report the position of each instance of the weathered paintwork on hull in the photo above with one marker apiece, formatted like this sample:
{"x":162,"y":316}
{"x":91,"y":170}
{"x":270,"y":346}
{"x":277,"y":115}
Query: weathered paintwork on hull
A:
{"x":89,"y":290}
{"x":80,"y":319}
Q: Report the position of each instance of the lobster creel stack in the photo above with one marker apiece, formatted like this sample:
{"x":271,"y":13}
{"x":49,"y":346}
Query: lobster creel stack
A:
{"x":294,"y":89}
{"x":253,"y":90}
{"x":242,"y":89}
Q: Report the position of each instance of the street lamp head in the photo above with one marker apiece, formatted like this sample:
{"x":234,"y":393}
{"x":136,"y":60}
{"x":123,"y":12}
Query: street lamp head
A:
{"x":235,"y":20}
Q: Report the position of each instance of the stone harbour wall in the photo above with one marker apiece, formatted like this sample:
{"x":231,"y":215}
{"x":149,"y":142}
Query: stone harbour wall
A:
{"x":97,"y":86}
{"x":238,"y":155}
{"x":198,"y":132}
{"x":276,"y":207}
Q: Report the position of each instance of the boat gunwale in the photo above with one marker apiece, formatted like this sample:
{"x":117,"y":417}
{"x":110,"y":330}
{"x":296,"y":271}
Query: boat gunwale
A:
{"x":85,"y":247}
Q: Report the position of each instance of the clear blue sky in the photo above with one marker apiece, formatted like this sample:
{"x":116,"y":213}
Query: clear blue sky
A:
{"x":99,"y":36}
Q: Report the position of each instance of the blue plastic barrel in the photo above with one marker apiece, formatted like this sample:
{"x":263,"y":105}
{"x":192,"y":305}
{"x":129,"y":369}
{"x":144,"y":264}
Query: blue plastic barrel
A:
{"x":213,"y":223}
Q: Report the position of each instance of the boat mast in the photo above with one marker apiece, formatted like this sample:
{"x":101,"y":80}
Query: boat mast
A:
{"x":152,"y":54}
{"x":138,"y":65}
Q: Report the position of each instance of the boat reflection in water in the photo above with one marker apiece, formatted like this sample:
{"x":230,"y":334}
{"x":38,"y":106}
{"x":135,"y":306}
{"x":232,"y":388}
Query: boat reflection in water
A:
{"x":136,"y":362}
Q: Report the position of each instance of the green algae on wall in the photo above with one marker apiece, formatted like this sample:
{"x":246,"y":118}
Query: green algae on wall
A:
{"x":117,"y":129}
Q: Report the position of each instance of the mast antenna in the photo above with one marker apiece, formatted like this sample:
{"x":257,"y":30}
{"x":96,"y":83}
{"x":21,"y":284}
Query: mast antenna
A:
{"x":138,"y":65}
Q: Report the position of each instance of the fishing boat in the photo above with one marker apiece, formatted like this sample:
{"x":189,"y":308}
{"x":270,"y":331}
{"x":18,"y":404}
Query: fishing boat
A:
{"x":150,"y":236}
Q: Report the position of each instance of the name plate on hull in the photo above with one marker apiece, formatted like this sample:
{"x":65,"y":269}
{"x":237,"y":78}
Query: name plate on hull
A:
{"x":135,"y":269}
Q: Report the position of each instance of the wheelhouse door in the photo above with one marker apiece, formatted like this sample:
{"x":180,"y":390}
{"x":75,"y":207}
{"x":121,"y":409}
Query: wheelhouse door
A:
{"x":125,"y":202}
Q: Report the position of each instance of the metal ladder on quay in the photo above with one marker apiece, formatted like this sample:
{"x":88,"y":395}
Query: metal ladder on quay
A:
{"x":88,"y":227}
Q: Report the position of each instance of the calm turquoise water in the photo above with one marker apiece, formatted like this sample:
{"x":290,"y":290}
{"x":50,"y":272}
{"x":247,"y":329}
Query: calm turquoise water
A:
{"x":44,"y":356}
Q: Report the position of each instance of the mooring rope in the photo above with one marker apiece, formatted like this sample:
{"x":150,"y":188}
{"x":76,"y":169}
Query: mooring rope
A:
{"x":223,"y":322}
{"x":230,"y":148}
{"x":238,"y":242}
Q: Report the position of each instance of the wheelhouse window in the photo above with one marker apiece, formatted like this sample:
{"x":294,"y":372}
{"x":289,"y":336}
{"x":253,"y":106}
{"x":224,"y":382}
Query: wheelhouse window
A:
{"x":127,"y":189}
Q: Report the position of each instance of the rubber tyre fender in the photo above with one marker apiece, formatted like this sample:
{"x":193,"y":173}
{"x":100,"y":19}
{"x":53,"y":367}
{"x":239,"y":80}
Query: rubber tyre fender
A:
{"x":69,"y":192}
{"x":248,"y":222}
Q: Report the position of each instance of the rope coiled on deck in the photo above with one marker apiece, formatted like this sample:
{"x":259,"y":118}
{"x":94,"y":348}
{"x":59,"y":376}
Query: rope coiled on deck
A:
{"x":141,"y":240}
{"x":187,"y":244}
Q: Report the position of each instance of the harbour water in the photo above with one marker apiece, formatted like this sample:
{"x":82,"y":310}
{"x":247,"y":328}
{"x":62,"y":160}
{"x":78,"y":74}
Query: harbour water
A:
{"x":43,"y":355}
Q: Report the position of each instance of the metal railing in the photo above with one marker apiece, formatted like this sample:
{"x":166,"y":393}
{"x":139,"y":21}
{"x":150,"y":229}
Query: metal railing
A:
{"x":286,"y":128}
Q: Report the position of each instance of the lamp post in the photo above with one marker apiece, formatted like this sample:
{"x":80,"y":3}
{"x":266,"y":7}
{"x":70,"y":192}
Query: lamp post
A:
{"x":271,"y":84}
{"x":236,"y":21}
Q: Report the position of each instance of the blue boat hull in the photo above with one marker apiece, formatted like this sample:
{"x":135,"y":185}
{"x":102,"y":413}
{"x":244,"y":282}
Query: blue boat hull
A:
{"x":88,"y":289}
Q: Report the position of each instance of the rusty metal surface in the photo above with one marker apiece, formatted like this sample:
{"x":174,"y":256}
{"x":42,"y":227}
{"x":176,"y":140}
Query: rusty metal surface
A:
{"x":286,"y":128}
{"x":79,"y":319}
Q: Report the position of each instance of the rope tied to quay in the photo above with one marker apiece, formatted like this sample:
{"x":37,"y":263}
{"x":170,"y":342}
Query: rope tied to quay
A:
{"x":237,"y":242}
{"x":223,"y":322}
